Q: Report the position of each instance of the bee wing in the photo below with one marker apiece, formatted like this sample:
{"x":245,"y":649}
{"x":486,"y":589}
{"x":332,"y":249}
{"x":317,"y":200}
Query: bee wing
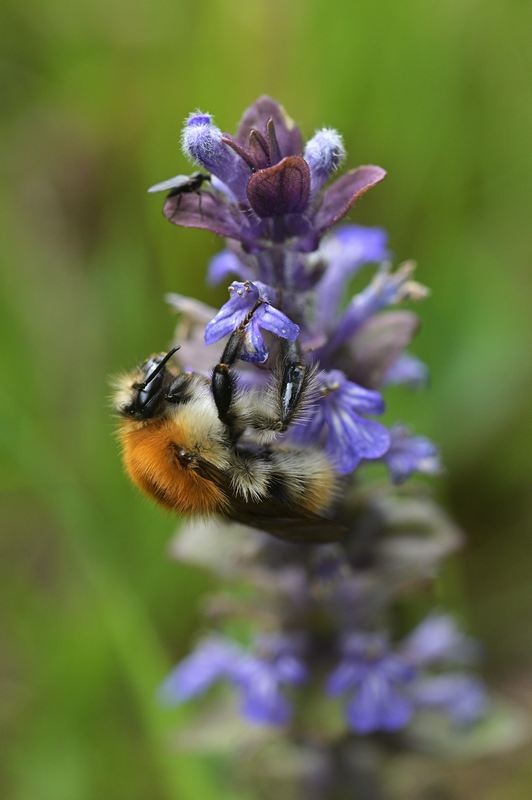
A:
{"x":290,"y":525}
{"x":172,"y":183}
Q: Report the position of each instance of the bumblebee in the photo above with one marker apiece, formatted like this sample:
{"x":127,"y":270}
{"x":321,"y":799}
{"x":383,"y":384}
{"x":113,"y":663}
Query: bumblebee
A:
{"x":202,"y":447}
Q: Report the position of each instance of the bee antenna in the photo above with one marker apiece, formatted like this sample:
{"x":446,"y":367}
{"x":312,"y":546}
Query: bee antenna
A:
{"x":159,"y":367}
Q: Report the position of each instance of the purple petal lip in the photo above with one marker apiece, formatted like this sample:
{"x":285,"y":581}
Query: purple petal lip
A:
{"x":204,"y":210}
{"x":281,"y":189}
{"x":243,"y":297}
{"x":271,"y":319}
{"x":364,"y":401}
{"x":352,"y":439}
{"x":348,"y":437}
{"x":344,"y":193}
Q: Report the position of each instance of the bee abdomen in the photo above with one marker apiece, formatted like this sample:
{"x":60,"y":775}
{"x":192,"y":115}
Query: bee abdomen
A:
{"x":303,"y":478}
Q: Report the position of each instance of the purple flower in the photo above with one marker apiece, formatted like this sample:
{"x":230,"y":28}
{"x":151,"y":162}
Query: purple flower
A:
{"x":345,"y":251}
{"x":462,"y":697}
{"x":375,"y":679}
{"x":250,"y":302}
{"x":261,"y":699}
{"x":406,"y":370}
{"x":387,"y":288}
{"x":264,"y":182}
{"x":338,"y":422}
{"x":409,"y":454}
{"x":213,"y":660}
{"x":437,"y":638}
{"x":258,"y":678}
{"x":385,"y":687}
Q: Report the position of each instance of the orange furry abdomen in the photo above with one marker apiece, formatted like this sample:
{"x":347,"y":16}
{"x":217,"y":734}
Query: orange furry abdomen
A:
{"x":149,"y":455}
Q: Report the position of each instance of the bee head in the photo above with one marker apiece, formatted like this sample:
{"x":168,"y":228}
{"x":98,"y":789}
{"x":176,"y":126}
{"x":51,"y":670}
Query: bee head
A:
{"x":144,"y":397}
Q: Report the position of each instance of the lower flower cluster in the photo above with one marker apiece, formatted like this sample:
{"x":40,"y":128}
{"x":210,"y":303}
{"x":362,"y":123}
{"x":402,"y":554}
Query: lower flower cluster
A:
{"x":379,"y":684}
{"x":259,"y":676}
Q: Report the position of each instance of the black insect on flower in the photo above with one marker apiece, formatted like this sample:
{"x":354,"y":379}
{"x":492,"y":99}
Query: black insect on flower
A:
{"x":181,"y":184}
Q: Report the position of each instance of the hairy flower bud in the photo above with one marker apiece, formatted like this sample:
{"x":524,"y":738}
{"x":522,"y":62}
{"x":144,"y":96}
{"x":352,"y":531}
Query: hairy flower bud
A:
{"x":324,"y":153}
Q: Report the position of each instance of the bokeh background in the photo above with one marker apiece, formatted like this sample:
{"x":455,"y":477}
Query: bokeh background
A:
{"x":93,"y":95}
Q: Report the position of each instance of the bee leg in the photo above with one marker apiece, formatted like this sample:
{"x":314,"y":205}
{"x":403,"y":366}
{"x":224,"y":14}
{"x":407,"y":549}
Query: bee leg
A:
{"x":293,"y":382}
{"x":287,"y":397}
{"x":223,"y":382}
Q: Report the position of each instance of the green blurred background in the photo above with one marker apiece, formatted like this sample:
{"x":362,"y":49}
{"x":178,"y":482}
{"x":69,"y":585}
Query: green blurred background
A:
{"x":93,"y":95}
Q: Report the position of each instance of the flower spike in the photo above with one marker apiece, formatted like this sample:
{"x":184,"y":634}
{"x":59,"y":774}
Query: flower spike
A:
{"x":277,"y":408}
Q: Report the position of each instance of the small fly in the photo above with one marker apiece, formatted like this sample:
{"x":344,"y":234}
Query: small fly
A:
{"x":181,"y":184}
